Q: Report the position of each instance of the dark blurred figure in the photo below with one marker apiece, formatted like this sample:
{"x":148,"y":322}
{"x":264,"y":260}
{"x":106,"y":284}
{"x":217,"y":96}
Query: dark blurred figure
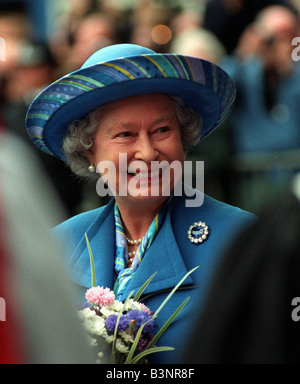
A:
{"x":34,"y":69}
{"x":227,"y":19}
{"x":247,"y":318}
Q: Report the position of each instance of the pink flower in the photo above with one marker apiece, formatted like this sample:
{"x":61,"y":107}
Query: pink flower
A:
{"x":144,"y":308}
{"x":100,"y":296}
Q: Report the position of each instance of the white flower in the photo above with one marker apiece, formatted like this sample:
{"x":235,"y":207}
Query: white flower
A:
{"x":106,"y":312}
{"x":116,"y":306}
{"x":121,"y":347}
{"x":131,"y":304}
{"x":92,"y":323}
{"x":86,"y":313}
{"x":109,"y":338}
{"x":126,"y":337}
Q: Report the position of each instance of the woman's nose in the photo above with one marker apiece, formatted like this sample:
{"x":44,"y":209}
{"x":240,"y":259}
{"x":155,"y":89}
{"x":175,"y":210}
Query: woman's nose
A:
{"x":145,"y":150}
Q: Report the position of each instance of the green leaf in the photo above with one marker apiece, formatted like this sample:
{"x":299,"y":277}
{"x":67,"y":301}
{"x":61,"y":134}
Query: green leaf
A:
{"x":134,"y":345}
{"x":149,"y":351}
{"x":130,"y":359}
{"x":146,"y":297}
{"x":115,"y":332}
{"x":168,"y":322}
{"x":93,"y":273}
{"x":172,"y":292}
{"x":143,"y":287}
{"x":128,"y":298}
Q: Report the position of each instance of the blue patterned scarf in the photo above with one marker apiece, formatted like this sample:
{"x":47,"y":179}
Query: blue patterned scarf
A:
{"x":124,"y":274}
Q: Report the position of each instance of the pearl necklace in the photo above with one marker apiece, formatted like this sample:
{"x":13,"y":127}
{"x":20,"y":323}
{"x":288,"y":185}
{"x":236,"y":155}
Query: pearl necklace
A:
{"x":130,"y":258}
{"x":132,"y":254}
{"x":133,"y":242}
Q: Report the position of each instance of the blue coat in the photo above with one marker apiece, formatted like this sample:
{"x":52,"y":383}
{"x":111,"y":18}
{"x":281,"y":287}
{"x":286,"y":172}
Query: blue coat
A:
{"x":171,"y":255}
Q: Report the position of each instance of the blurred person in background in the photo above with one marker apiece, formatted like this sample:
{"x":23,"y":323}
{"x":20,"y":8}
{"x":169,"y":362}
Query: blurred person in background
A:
{"x":93,"y":32}
{"x":29,"y":66}
{"x":227,"y":19}
{"x":187,"y":18}
{"x":14,"y":28}
{"x":65,"y":25}
{"x":33,"y":70}
{"x":148,"y":15}
{"x":265,"y":122}
{"x":199,"y":42}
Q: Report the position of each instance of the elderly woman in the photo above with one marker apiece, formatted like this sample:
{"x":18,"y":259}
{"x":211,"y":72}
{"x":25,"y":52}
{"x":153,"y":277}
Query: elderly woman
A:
{"x":147,"y":109}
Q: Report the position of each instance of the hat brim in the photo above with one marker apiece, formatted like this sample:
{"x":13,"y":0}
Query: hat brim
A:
{"x":202,"y":85}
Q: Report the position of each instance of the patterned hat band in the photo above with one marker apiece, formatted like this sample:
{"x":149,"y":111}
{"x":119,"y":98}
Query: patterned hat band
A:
{"x":126,"y":70}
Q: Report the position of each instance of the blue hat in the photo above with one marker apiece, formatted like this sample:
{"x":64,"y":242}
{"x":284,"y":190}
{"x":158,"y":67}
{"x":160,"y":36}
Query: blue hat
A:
{"x":123,"y":70}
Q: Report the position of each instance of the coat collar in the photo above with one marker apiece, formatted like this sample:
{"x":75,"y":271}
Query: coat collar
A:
{"x":99,"y":234}
{"x":162,"y":258}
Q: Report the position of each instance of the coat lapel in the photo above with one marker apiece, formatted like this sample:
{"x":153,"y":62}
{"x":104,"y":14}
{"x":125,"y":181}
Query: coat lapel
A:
{"x":162,"y":258}
{"x":101,"y":234}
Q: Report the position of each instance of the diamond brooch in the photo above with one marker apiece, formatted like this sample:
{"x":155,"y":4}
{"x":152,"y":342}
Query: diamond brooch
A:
{"x":198,"y":232}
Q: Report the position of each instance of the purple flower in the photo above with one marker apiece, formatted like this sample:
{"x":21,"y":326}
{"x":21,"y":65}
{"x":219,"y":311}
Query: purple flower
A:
{"x":141,"y":317}
{"x":144,"y":340}
{"x":111,"y":322}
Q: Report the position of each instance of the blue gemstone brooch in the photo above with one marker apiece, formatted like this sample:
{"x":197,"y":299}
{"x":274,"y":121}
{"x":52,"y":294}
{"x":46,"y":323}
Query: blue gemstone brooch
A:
{"x":198,"y":232}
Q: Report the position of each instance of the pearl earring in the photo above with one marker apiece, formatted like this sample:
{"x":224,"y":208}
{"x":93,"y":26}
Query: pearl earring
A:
{"x":91,"y":168}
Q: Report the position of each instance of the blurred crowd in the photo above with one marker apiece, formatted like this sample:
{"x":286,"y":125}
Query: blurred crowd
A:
{"x":252,"y":157}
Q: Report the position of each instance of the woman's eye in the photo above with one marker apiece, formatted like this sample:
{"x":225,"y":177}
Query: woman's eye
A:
{"x":124,"y":134}
{"x":163,"y":129}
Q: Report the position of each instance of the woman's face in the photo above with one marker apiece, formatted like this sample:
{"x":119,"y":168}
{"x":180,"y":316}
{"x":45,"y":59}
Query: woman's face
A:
{"x":132,"y":134}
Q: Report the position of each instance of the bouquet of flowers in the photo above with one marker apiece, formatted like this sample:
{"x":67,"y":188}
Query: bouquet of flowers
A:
{"x":123,"y":332}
